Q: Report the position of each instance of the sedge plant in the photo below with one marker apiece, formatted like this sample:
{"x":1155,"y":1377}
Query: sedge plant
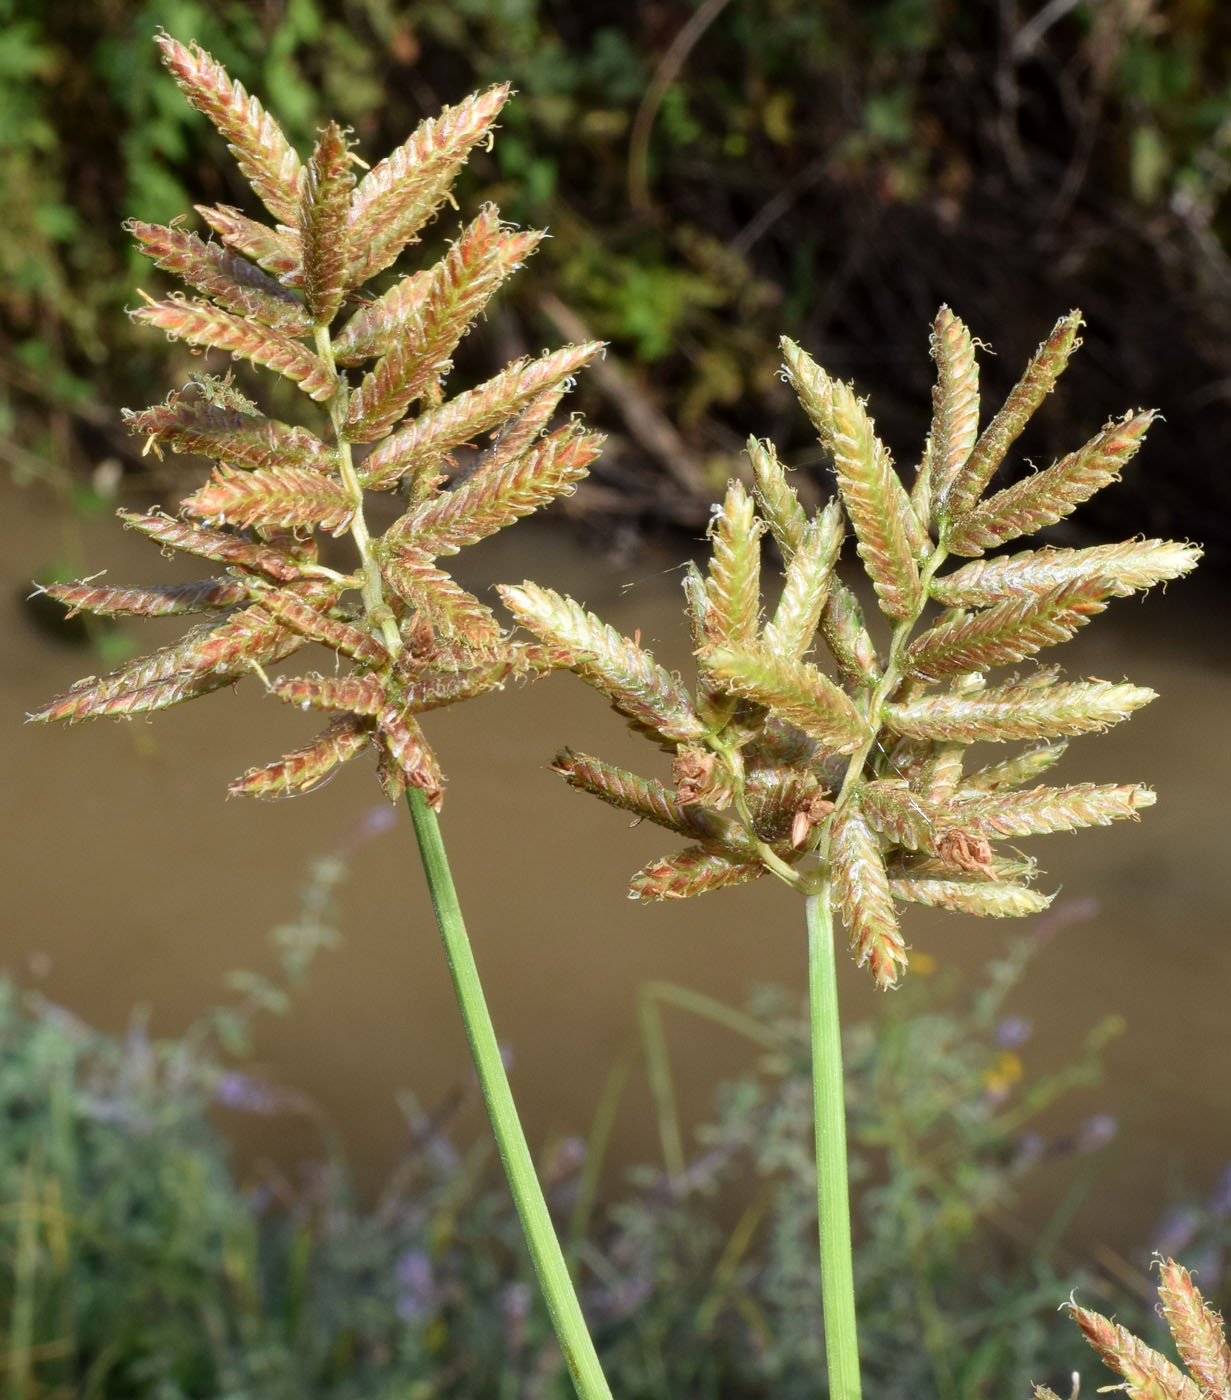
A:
{"x":853,"y":785}
{"x":295,"y":294}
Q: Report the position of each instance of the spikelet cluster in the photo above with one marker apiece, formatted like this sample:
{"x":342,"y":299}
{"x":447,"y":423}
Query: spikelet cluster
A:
{"x":287,"y":293}
{"x":853,"y":778}
{"x":1200,"y":1338}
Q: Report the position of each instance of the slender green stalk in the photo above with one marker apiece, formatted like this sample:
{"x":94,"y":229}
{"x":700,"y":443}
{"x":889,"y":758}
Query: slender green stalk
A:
{"x":536,"y":1224}
{"x":832,"y":1192}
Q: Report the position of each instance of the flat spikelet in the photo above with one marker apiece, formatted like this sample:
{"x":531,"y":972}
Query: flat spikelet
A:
{"x":1200,"y":1339}
{"x":850,"y":780}
{"x":408,"y":638}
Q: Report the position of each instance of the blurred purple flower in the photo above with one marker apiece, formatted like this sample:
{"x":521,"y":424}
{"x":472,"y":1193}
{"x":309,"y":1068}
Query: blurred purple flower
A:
{"x":1097,"y":1131}
{"x":416,"y":1285}
{"x":1175,"y":1231}
{"x":515,"y":1303}
{"x":246,"y":1094}
{"x":1012,"y":1032}
{"x":1220,"y":1200}
{"x":1030,"y":1148}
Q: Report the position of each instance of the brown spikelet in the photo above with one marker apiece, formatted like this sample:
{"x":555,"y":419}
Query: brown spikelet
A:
{"x":439,"y":599}
{"x":221,"y":547}
{"x":265,"y":156}
{"x":1127,"y":568}
{"x":861,"y":890}
{"x":226,"y":278}
{"x":778,"y":500}
{"x":272,"y":498}
{"x":1017,"y":712}
{"x":371,"y":330}
{"x":192,"y":426}
{"x":1044,"y":809}
{"x":153,"y":600}
{"x":398,"y":196}
{"x":691,"y":872}
{"x":805,"y":587}
{"x":478,"y":410}
{"x":324,"y":211}
{"x":984,"y":899}
{"x":408,"y":753}
{"x":955,"y":400}
{"x":1200,"y":1337}
{"x":275,"y":250}
{"x":875,"y":499}
{"x":498,"y":494}
{"x":360,"y":695}
{"x":626,"y":673}
{"x":1006,"y":426}
{"x":847,"y":637}
{"x":1007,"y":632}
{"x":204,"y":659}
{"x":794,"y":690}
{"x":643,"y":798}
{"x":199,"y":323}
{"x":1147,"y":1375}
{"x":303,"y":769}
{"x":1047,"y":496}
{"x":462,"y":282}
{"x":315,"y":625}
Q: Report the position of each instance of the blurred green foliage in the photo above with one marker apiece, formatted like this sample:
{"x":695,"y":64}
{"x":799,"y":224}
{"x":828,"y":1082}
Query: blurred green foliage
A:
{"x":136,"y":1260}
{"x":713,"y":177}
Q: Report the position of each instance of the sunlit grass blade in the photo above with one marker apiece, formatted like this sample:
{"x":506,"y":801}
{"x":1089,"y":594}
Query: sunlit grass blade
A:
{"x":324,"y":234}
{"x":200,"y":323}
{"x":1005,"y":633}
{"x":437,"y":431}
{"x":266,"y":158}
{"x":272,"y":498}
{"x":794,"y":690}
{"x":1018,"y":711}
{"x":1006,"y":426}
{"x":402,"y":192}
{"x":1048,"y":496}
{"x":955,"y":402}
{"x":626,"y":673}
{"x":875,"y":500}
{"x":691,"y":872}
{"x":861,"y":888}
{"x":225,"y":277}
{"x":1127,"y":567}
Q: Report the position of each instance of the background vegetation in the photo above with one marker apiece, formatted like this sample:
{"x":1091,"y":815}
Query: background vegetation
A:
{"x":714,"y":176}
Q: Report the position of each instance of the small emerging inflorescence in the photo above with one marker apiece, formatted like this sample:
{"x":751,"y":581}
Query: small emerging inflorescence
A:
{"x":855,"y":782}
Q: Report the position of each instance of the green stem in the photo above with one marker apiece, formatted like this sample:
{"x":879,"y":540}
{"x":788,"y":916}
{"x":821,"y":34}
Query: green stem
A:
{"x":536,"y":1224}
{"x":832,"y":1191}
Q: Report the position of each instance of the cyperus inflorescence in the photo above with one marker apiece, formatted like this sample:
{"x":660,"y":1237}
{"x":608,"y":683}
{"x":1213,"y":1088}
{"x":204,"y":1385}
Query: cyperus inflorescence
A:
{"x":856,"y":783}
{"x":410,"y":636}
